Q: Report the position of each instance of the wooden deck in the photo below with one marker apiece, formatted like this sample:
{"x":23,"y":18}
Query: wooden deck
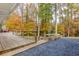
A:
{"x":9,"y":41}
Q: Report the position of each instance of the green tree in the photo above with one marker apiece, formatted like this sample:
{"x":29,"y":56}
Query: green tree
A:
{"x":45,"y":15}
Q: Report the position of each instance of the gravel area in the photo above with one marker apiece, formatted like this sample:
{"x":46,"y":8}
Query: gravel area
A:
{"x":60,"y":47}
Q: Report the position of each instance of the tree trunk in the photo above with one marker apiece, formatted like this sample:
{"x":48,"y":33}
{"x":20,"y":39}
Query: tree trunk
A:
{"x":55,"y":18}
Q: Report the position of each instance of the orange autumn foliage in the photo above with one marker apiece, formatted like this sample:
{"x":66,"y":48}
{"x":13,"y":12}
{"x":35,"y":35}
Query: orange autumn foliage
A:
{"x":30,"y":25}
{"x":14,"y":22}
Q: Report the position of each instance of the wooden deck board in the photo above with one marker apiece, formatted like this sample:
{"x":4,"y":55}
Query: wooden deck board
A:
{"x":1,"y":46}
{"x":9,"y":41}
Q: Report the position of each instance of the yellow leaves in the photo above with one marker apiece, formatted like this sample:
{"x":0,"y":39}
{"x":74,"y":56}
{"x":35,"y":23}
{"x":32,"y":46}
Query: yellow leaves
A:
{"x":61,"y":28}
{"x":30,"y":25}
{"x":72,"y":32}
{"x":13,"y":22}
{"x":45,"y":26}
